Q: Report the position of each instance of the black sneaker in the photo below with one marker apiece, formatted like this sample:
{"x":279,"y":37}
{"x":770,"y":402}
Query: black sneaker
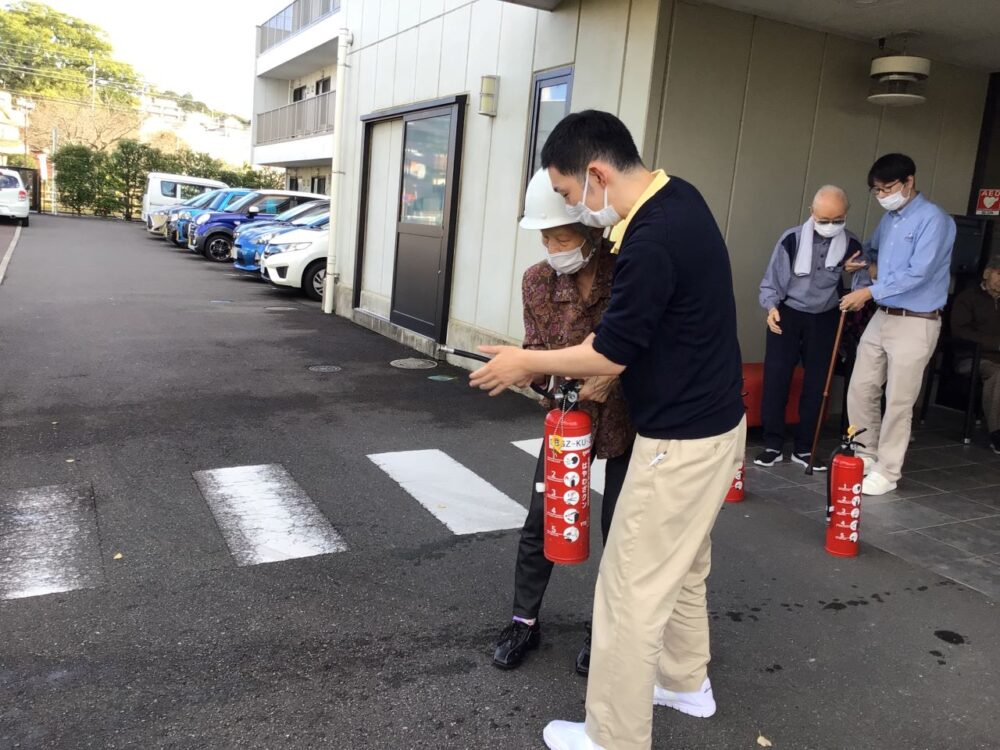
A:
{"x":995,"y":441}
{"x":515,"y":641}
{"x":768,"y":458}
{"x":803,"y":460}
{"x":583,"y":658}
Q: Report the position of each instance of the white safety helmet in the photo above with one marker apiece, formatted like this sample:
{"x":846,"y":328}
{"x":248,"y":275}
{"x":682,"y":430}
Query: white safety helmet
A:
{"x":544,"y":208}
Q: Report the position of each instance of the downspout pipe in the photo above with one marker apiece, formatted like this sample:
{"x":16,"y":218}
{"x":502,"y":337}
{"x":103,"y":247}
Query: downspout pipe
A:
{"x":344,"y":42}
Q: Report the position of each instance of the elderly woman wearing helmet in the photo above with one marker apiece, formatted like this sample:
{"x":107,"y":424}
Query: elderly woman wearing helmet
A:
{"x":564,"y":297}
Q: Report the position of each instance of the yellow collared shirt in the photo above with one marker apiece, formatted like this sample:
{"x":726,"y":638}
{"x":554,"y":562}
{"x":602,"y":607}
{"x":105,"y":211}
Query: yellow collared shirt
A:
{"x":660,"y":179}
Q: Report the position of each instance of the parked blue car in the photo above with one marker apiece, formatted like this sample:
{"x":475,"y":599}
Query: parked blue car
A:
{"x":251,"y":238}
{"x":221,"y":200}
{"x":211,"y":233}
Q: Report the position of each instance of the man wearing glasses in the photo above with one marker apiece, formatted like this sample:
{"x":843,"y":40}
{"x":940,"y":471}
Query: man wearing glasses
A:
{"x":801,"y":292}
{"x":912,"y":244}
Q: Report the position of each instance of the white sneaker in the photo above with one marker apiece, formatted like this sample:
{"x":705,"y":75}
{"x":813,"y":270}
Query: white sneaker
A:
{"x":876,"y":484}
{"x":869,"y":463}
{"x":700,"y":704}
{"x":568,"y":735}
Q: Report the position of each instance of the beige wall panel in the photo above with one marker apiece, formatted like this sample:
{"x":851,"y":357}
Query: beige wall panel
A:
{"x":703,"y":102}
{"x":846,"y":129}
{"x":506,"y":175}
{"x":771,"y":161}
{"x":429,"y":8}
{"x":600,"y":55}
{"x":455,"y":4}
{"x":353,"y":13}
{"x":369,"y":30}
{"x":555,"y":40}
{"x":428,"y":59}
{"x":963,"y":117}
{"x":385,"y":73}
{"x":388,"y":21}
{"x":455,"y":50}
{"x":366,"y":62}
{"x":409,"y":14}
{"x":406,"y":67}
{"x":637,"y":79}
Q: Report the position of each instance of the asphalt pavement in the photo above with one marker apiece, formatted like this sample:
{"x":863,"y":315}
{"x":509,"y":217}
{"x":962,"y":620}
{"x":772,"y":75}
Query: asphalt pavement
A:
{"x":128,"y":367}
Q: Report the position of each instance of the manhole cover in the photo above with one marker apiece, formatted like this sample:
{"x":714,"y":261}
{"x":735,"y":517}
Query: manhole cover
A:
{"x":277,"y":308}
{"x":414,"y":363}
{"x":324,"y":368}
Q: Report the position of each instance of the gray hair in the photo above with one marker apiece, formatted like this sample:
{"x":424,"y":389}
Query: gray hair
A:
{"x":832,"y":190}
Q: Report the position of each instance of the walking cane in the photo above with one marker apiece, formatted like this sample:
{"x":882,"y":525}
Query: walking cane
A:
{"x":826,"y":392}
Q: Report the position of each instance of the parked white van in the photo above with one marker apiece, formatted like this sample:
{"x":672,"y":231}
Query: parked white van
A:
{"x":163,"y":189}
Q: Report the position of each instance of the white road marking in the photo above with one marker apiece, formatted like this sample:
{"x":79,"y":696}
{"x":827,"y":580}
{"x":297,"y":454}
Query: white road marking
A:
{"x":265,"y":516}
{"x":48,"y":541}
{"x":597,"y":468}
{"x":10,"y":253}
{"x":460,"y":499}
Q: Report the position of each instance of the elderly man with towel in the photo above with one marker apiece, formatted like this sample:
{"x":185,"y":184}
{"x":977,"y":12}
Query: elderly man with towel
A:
{"x":801,"y":292}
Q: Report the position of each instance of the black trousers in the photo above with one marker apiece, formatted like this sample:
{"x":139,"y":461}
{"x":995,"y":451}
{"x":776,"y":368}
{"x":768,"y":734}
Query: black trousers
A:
{"x":807,"y":337}
{"x":532,"y":571}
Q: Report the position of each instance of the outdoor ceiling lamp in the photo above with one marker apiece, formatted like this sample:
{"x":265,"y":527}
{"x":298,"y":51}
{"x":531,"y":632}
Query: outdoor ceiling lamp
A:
{"x":488,"y":86}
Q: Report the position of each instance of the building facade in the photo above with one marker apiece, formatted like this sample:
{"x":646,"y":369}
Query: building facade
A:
{"x":447,"y":103}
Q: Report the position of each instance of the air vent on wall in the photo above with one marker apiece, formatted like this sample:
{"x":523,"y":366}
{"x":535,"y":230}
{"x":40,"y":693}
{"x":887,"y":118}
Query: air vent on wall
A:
{"x":899,"y":80}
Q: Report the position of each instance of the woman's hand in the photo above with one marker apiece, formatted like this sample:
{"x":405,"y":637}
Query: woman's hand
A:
{"x":598,"y":388}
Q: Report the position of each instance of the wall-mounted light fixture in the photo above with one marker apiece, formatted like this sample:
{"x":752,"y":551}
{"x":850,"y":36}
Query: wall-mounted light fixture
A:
{"x":488,"y":88}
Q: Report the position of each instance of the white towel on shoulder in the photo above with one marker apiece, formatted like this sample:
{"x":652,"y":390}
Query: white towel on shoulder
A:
{"x":803,"y":256}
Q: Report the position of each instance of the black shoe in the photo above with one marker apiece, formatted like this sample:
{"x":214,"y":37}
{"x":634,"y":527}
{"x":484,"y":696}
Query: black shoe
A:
{"x":768,"y":457}
{"x":995,"y":441}
{"x":515,"y":641}
{"x":803,"y":459}
{"x":583,"y":658}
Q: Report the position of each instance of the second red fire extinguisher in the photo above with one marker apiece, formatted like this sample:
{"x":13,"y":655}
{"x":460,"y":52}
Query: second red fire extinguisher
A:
{"x":843,"y":509}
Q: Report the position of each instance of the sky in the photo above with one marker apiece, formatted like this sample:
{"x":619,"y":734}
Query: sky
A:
{"x":206,"y":47}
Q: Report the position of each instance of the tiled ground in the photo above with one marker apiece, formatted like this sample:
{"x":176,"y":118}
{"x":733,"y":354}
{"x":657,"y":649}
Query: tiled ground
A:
{"x":945,"y":514}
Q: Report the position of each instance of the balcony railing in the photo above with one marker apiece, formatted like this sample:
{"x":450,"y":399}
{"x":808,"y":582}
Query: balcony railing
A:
{"x":296,"y":120}
{"x":292,"y":20}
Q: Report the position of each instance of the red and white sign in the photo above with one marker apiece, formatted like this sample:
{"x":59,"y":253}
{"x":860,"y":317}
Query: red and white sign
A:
{"x":988,"y":203}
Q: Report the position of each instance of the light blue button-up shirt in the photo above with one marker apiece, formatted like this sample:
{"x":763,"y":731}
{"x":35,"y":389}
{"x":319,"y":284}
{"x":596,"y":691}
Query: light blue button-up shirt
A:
{"x":913,"y":249}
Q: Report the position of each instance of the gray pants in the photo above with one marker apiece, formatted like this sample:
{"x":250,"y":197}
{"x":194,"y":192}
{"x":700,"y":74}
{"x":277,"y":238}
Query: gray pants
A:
{"x":893,"y":353}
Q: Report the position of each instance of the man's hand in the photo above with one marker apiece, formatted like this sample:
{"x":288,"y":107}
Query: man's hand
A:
{"x":855,"y":300}
{"x":773,"y":318}
{"x":504,"y":370}
{"x":853,"y":264}
{"x":598,"y":388}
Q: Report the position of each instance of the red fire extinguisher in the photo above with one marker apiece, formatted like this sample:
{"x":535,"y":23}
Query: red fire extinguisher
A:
{"x":843,"y":510}
{"x":567,"y":479}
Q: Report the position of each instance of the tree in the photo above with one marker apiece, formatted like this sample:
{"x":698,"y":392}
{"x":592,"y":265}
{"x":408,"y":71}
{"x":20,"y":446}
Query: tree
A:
{"x":127,"y":168}
{"x":99,"y":127}
{"x":50,"y":53}
{"x":79,"y":176}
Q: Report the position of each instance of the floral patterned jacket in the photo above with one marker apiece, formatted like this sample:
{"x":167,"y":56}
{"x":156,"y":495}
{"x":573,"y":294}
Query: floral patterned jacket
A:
{"x":555,"y":317}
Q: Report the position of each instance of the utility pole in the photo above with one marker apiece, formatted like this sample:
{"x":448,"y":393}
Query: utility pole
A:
{"x":93,"y":80}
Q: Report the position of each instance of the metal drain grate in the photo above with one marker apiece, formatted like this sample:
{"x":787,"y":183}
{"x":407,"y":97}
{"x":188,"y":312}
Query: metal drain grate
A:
{"x":414,"y":363}
{"x":324,"y":368}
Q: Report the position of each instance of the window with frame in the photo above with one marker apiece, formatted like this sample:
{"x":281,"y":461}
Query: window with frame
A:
{"x":550,"y":102}
{"x":318,"y":185}
{"x":168,"y":189}
{"x":298,"y":93}
{"x":323,"y":86}
{"x":293,"y":183}
{"x":189,"y":191}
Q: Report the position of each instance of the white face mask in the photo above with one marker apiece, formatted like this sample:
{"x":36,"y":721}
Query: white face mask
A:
{"x":606,"y":217}
{"x":828,"y":230}
{"x":893,"y":201}
{"x":569,"y":261}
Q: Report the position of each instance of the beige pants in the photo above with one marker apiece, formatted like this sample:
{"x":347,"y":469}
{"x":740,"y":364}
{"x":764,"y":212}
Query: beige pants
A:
{"x":893,"y":352}
{"x":990,"y":373}
{"x":650,"y":614}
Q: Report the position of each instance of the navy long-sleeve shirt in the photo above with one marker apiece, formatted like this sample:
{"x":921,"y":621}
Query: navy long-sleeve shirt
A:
{"x":671,"y":320}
